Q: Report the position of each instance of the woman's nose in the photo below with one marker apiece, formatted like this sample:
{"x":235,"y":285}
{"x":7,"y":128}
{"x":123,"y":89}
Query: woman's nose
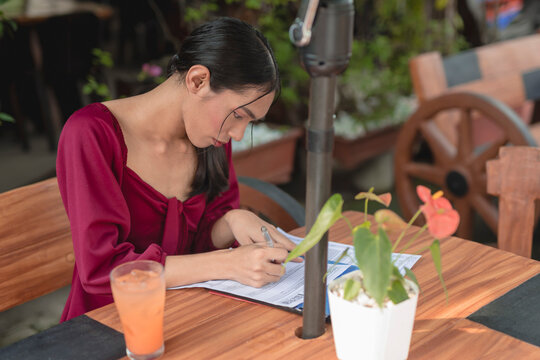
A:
{"x":237,"y":131}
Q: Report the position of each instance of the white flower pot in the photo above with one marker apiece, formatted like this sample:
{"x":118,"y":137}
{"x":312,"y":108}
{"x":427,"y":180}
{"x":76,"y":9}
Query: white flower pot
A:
{"x":362,"y":332}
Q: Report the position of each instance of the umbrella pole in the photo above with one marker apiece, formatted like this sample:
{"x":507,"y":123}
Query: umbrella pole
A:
{"x":323,"y":32}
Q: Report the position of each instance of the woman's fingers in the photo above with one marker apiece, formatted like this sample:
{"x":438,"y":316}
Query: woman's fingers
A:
{"x":274,"y":269}
{"x":284,"y":242}
{"x":280,"y":240}
{"x":277,"y":254}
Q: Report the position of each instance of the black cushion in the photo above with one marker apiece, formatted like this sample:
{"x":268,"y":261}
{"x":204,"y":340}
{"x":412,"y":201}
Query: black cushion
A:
{"x":79,"y":338}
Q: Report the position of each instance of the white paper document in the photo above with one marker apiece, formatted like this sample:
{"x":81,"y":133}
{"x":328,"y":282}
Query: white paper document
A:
{"x":335,"y":249}
{"x":289,"y":290}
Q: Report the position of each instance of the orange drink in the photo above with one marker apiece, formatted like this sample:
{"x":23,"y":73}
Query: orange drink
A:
{"x":138,"y":289}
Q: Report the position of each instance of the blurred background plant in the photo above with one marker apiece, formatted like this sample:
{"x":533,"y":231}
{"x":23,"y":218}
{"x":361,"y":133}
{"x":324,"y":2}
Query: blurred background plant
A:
{"x":376,"y":90}
{"x":95,"y":88}
{"x":6,"y":25}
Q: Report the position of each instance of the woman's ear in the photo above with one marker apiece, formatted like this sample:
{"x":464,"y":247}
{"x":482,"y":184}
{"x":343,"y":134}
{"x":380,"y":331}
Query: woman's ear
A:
{"x":197,"y":80}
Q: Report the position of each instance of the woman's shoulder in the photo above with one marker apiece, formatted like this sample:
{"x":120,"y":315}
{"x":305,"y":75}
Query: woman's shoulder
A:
{"x":94,"y":119}
{"x":93,"y":127}
{"x":92,"y":115}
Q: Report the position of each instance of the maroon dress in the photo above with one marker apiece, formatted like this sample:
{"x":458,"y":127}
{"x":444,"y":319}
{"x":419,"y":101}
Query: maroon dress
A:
{"x":115,"y":216}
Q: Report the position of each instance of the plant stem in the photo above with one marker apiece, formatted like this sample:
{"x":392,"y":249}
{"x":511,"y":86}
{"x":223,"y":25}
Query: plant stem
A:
{"x":414,"y":238}
{"x":348,"y":222}
{"x":422,"y":250}
{"x":365,"y":209}
{"x":406,"y":227}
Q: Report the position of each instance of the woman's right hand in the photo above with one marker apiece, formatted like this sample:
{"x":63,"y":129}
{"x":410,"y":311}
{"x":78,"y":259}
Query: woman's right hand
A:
{"x":257,"y":265}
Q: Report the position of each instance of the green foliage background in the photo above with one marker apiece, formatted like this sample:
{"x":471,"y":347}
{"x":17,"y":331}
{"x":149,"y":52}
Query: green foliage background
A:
{"x":387,"y":34}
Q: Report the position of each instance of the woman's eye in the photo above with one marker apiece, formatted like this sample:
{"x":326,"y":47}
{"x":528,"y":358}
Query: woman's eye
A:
{"x":236,"y":115}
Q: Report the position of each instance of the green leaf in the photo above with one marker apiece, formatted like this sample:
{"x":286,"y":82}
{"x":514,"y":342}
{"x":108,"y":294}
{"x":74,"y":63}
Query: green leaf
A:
{"x":13,"y":25}
{"x":343,"y":254}
{"x":365,"y":225}
{"x":397,"y":292}
{"x":329,"y":214}
{"x":253,"y":4}
{"x":374,"y":257}
{"x":441,"y":4}
{"x":435,"y":250}
{"x":411,"y":275}
{"x":6,"y":117}
{"x":371,"y":196}
{"x":87,"y":89}
{"x":102,"y":90}
{"x":396,"y":273}
{"x":351,"y":289}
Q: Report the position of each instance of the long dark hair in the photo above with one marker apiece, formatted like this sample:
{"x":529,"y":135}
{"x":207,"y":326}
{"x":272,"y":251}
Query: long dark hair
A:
{"x":238,"y":57}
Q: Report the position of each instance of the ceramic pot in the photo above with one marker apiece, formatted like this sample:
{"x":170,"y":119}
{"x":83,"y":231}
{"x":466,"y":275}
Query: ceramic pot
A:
{"x":362,"y":332}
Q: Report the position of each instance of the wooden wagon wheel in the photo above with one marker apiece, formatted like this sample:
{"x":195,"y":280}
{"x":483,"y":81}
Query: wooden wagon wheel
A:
{"x":459,"y":170}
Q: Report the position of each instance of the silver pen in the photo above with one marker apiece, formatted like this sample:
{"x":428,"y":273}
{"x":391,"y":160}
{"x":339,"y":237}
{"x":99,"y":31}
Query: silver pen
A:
{"x":269,"y":241}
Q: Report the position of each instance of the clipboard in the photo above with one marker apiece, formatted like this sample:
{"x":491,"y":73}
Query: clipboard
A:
{"x":295,"y":310}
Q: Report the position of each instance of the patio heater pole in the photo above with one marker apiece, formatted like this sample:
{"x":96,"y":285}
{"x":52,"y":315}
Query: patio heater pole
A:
{"x":324,"y":37}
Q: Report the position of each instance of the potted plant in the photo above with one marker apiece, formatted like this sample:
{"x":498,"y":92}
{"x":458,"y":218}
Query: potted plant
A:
{"x":372,"y":309}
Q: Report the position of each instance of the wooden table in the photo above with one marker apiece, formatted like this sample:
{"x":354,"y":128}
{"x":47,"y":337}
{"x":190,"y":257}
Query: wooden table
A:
{"x":199,"y":325}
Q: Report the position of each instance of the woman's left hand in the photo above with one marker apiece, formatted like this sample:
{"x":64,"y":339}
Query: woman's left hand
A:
{"x":246,"y":228}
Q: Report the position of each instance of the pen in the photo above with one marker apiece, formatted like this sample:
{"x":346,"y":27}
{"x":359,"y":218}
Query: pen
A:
{"x":269,"y":241}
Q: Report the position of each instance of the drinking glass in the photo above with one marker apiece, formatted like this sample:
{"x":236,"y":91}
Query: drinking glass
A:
{"x":138,"y":289}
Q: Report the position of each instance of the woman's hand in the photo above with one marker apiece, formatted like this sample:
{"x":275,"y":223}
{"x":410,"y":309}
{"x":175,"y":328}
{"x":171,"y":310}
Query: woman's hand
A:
{"x":246,"y":228}
{"x":256,"y":265}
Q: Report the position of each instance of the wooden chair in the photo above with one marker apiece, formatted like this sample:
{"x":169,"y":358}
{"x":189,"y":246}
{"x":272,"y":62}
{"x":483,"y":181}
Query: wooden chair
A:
{"x":36,"y":252}
{"x":270,"y":203}
{"x":470,"y":104}
{"x":515,"y":178}
{"x":508,"y":71}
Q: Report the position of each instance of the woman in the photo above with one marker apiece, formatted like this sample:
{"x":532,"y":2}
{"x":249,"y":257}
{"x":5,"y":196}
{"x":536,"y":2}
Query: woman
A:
{"x":151,"y":177}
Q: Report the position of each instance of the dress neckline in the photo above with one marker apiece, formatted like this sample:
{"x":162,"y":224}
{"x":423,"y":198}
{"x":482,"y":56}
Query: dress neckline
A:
{"x":132,"y":172}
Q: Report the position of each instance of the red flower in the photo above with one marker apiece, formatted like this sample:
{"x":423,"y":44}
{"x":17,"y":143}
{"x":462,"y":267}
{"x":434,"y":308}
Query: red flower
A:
{"x":442,"y":219}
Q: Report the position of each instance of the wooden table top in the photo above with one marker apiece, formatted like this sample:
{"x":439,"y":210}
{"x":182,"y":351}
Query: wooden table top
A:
{"x":205,"y":326}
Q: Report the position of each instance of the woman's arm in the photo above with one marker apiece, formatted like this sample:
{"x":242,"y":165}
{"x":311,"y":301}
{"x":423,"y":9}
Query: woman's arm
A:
{"x":89,"y":166}
{"x":254,"y":265}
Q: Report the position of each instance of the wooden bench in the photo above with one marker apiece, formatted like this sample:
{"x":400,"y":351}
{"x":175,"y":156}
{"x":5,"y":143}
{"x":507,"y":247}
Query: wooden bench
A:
{"x":36,"y":251}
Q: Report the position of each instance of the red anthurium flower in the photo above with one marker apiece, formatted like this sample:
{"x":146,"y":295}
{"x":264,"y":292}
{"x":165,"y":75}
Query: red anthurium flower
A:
{"x":442,"y":219}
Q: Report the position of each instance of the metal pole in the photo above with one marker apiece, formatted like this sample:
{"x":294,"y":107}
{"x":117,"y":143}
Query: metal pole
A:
{"x":325,"y":50}
{"x":320,"y":136}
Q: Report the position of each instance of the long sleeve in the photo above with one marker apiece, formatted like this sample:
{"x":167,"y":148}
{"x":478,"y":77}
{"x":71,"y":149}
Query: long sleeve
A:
{"x":90,"y":170}
{"x":226,"y":201}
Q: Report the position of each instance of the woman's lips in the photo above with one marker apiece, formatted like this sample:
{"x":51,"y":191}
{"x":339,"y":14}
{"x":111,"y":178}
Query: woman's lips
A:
{"x":218,"y":143}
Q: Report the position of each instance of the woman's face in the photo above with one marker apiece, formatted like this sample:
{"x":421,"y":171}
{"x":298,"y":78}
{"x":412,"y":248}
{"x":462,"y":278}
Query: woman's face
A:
{"x":221,"y":116}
